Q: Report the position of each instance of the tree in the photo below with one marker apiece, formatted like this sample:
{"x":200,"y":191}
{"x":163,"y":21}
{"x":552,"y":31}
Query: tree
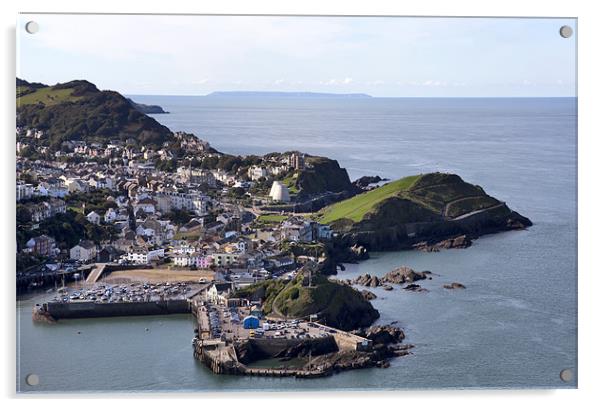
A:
{"x":179,"y":216}
{"x":23,"y":214}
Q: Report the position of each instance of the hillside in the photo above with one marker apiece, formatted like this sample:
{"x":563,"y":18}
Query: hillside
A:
{"x":429,"y":207}
{"x":357,"y":207}
{"x":24,"y":87}
{"x":336,"y":305}
{"x":77,"y":110}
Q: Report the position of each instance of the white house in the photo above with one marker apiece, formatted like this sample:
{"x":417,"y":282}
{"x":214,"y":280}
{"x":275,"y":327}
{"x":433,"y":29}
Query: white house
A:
{"x":197,"y":260}
{"x":110,"y":215}
{"x":212,"y":295}
{"x":85,"y":250}
{"x":24,"y":191}
{"x":255,"y":172}
{"x":141,"y":255}
{"x":147,"y":205}
{"x":93,"y":217}
{"x":77,"y":185}
{"x":194,"y":202}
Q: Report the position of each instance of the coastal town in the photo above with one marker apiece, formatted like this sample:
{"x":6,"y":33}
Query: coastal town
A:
{"x":119,"y":216}
{"x":134,"y":213}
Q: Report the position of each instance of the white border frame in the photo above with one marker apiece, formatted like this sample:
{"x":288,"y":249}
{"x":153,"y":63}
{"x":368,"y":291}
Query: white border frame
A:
{"x":589,"y":69}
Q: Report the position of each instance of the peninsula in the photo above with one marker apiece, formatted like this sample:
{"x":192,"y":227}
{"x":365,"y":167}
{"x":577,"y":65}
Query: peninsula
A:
{"x":147,"y":109}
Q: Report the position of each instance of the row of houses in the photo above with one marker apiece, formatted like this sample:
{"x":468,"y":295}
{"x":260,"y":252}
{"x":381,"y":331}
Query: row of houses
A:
{"x":44,"y":210}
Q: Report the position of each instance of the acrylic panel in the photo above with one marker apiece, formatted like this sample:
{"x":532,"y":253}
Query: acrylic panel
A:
{"x":295,"y":203}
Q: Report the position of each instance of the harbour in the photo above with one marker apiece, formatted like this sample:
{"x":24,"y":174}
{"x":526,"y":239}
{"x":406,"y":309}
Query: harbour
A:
{"x":225,"y":328}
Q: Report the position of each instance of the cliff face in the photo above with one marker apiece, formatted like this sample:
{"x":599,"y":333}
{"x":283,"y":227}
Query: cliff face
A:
{"x":323,"y":175}
{"x":433,"y":208}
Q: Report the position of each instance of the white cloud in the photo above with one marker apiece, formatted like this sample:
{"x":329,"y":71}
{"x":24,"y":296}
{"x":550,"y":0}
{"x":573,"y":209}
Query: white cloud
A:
{"x":337,"y":82}
{"x":432,"y":82}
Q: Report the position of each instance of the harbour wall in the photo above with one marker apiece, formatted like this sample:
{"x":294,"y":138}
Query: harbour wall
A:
{"x":90,"y":309}
{"x":272,"y":347}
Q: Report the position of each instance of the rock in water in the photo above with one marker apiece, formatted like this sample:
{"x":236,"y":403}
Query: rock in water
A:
{"x":414,"y":287}
{"x":453,"y":286}
{"x":458,"y":242}
{"x":368,"y":295}
{"x":403,"y":275}
{"x":382,"y":334}
{"x":367,"y":280}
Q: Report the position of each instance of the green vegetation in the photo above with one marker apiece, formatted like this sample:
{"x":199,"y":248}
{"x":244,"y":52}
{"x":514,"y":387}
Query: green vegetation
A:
{"x":190,"y":236}
{"x":436,"y":190}
{"x":179,"y":217}
{"x":337,"y":305}
{"x":67,"y":229}
{"x":24,"y":87}
{"x":77,"y":110}
{"x":357,"y":207}
{"x":166,"y":165}
{"x":265,"y":291}
{"x":271,"y":219}
{"x":291,"y":183}
{"x":95,"y":200}
{"x":48,"y":96}
{"x":411,"y":199}
{"x":318,"y":249}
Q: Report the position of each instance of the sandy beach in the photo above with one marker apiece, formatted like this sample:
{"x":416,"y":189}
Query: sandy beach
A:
{"x":158,"y":275}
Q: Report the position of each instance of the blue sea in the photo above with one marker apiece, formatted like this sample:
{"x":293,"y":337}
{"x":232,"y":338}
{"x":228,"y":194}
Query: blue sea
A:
{"x":515,"y":325}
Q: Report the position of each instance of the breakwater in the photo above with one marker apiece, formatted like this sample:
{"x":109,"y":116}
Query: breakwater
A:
{"x":90,"y":309}
{"x":222,"y":358}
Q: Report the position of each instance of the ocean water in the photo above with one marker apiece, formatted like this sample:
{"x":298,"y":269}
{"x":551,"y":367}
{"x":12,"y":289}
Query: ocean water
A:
{"x":514,"y":326}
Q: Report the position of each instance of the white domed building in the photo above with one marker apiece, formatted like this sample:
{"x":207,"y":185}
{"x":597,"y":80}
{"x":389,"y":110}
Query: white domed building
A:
{"x":279,"y":192}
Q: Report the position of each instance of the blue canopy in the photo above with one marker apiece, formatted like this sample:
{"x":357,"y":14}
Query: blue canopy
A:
{"x":250,"y":322}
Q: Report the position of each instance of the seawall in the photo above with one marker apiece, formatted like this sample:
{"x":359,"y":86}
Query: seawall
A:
{"x":90,"y":309}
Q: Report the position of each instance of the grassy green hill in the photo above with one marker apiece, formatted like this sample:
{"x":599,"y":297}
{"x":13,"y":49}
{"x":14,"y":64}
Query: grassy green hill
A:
{"x":24,"y":87}
{"x":442,"y":194}
{"x":337,"y":305}
{"x":358,"y":206}
{"x":424,"y":208}
{"x":48,"y":96}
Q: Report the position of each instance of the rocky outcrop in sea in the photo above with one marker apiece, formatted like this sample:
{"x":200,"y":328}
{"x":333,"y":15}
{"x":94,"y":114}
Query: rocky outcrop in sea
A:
{"x":386,"y":344}
{"x":401,"y":275}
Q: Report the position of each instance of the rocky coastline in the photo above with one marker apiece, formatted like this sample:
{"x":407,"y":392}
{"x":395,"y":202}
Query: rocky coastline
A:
{"x":399,"y":276}
{"x":386,"y":344}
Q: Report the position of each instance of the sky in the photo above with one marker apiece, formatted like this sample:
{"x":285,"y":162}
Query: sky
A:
{"x":380,"y":56}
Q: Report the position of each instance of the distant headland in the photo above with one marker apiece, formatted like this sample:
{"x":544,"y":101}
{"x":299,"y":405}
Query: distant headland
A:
{"x":305,"y":95}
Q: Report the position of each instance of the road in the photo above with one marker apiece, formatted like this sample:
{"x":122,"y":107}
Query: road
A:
{"x":95,"y":274}
{"x":467,"y":215}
